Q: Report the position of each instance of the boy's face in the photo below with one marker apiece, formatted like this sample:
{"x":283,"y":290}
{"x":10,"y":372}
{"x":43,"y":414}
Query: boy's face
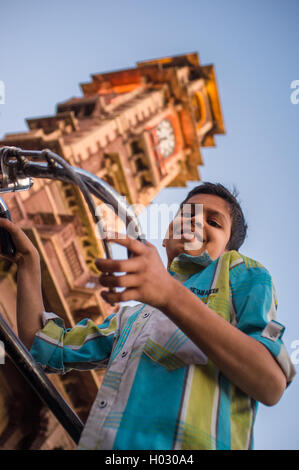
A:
{"x":210,"y":228}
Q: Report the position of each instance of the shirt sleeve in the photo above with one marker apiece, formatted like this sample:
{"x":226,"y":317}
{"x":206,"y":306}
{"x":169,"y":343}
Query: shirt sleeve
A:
{"x":83,"y":347}
{"x":254,"y":300}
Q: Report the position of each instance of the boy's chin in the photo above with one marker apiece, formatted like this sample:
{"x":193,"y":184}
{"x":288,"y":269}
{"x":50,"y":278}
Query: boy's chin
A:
{"x":193,"y":252}
{"x":184,"y":248}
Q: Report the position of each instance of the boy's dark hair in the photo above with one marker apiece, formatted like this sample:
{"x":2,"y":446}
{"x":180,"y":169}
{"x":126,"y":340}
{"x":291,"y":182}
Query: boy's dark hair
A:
{"x":239,"y":226}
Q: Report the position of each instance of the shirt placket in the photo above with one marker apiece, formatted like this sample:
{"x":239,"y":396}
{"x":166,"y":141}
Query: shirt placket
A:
{"x":106,"y":397}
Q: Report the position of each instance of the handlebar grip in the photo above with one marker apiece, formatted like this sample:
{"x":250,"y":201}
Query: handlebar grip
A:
{"x":7,"y":246}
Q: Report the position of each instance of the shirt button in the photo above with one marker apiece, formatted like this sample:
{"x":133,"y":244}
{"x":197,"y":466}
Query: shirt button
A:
{"x":102,"y":404}
{"x":124,"y":353}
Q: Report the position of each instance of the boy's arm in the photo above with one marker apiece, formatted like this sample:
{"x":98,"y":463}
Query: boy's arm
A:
{"x":29,"y":300}
{"x":29,"y":296}
{"x":244,"y":361}
{"x":57,"y":349}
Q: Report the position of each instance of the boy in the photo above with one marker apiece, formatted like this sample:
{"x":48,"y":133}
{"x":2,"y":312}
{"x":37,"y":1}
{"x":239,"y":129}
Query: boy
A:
{"x":186,"y":366}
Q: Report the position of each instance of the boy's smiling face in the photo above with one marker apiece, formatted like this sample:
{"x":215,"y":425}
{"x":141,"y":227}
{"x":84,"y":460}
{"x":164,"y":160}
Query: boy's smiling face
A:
{"x":209,"y":230}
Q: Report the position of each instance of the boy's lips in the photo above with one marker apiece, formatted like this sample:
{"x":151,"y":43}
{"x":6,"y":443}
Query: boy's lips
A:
{"x":191,"y":235}
{"x":188,"y":236}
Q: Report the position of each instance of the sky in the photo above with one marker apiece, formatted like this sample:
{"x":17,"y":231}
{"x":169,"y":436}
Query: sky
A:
{"x":48,"y":48}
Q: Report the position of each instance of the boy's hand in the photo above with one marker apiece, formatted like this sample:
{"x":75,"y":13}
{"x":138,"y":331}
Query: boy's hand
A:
{"x":25,"y":250}
{"x":146,"y":279}
{"x":29,"y":295}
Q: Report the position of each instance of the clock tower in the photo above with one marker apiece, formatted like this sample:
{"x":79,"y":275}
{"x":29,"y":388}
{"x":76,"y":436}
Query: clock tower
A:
{"x":140,"y":129}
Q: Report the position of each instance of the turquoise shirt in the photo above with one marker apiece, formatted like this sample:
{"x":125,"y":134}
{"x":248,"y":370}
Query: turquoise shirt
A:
{"x":160,"y":391}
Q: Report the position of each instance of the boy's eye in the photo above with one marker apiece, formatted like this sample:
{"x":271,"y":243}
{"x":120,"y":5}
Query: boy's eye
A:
{"x":213,"y":222}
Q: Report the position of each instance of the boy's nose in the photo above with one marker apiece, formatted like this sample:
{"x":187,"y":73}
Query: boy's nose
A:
{"x":195,"y":222}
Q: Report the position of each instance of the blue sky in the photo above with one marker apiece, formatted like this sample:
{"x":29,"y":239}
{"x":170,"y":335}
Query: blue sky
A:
{"x":47,"y":49}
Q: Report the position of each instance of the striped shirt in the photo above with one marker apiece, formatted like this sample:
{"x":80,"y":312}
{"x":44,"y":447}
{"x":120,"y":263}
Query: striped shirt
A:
{"x":160,"y":391}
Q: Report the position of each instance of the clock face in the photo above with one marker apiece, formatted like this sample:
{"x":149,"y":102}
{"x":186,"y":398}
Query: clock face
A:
{"x":166,"y":137}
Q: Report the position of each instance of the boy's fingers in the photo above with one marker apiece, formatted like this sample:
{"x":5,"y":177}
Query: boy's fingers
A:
{"x":118,"y":266}
{"x":11,"y":228}
{"x":5,"y":222}
{"x":133,"y":245}
{"x":21,"y":241}
{"x":129,"y":280}
{"x":116,"y":297}
{"x":10,"y":258}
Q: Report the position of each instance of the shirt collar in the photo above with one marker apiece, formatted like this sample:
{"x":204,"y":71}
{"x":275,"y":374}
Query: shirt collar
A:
{"x":183,"y":265}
